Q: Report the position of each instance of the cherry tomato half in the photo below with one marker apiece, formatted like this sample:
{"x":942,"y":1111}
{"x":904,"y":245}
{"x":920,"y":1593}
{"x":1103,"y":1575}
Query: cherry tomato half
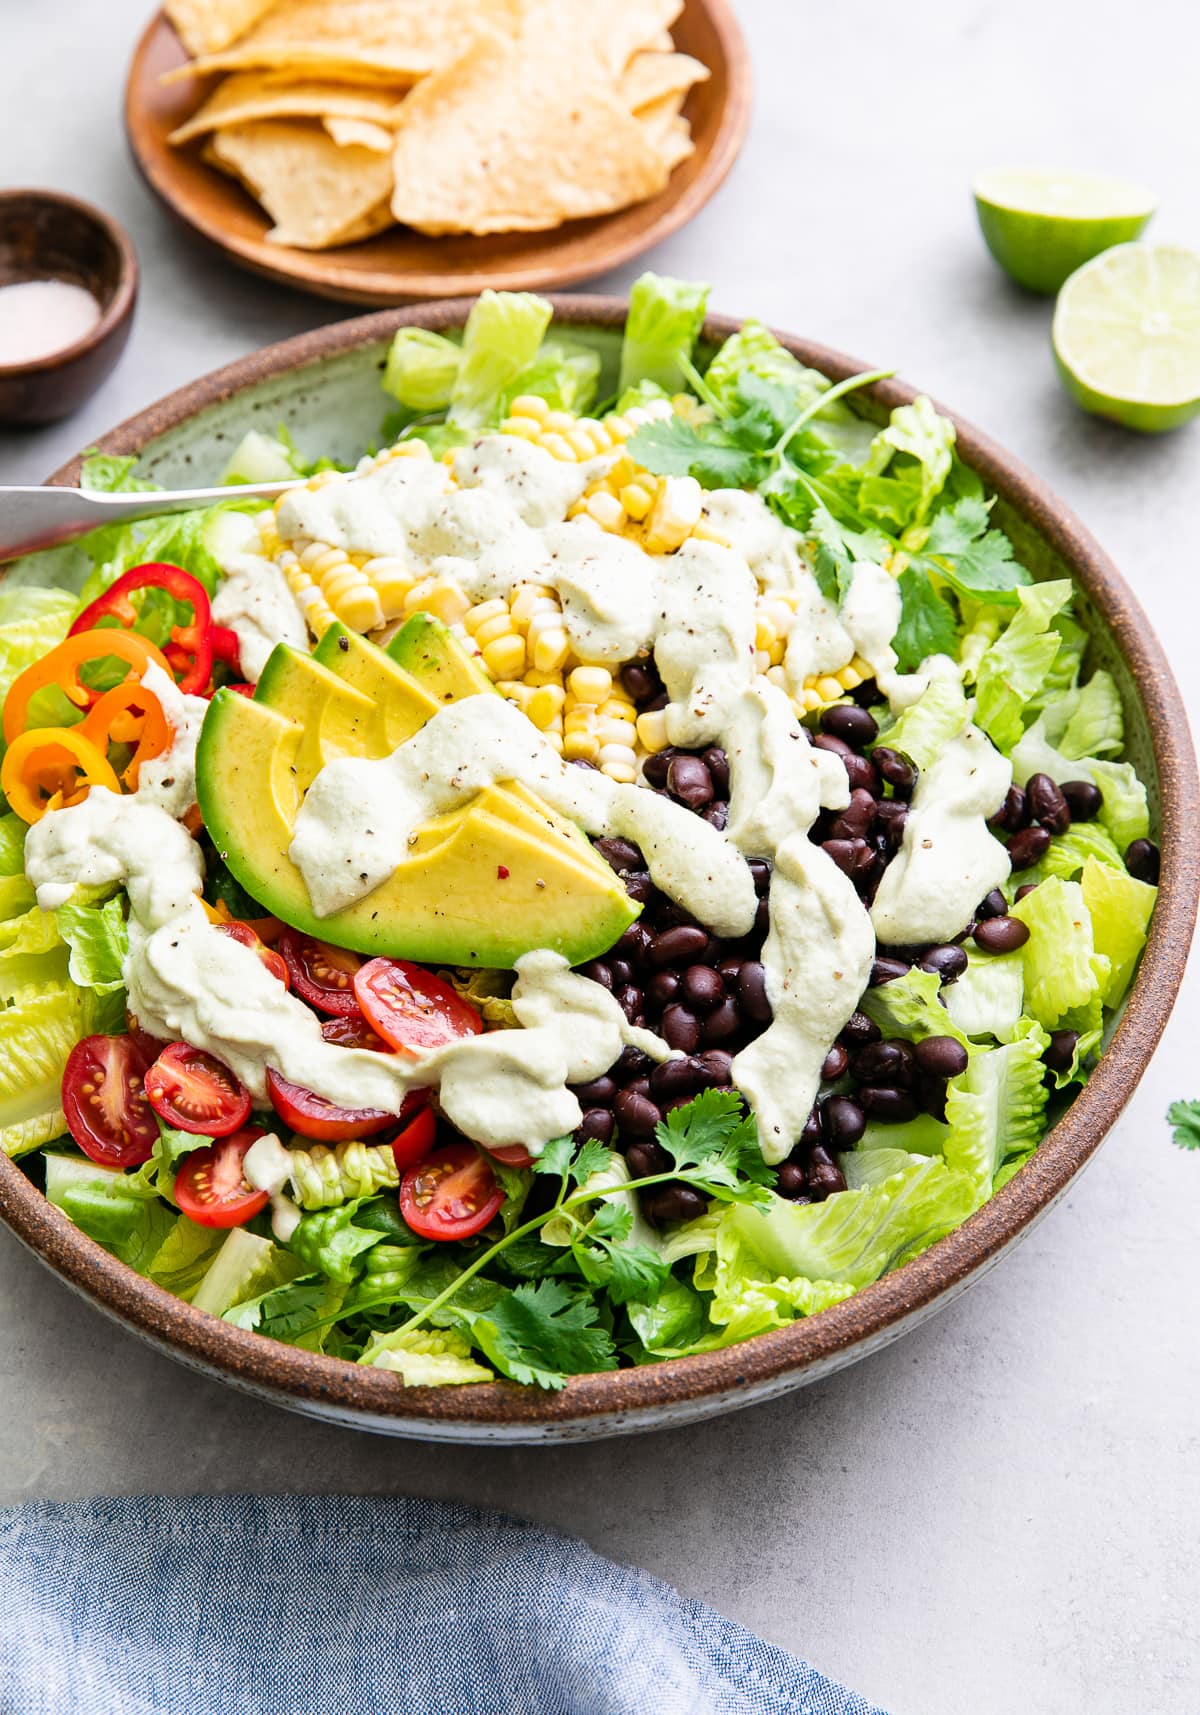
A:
{"x":105,"y":1103}
{"x":272,"y":960}
{"x":452,"y":1194}
{"x":211,"y":1188}
{"x":193,"y":1091}
{"x":351,"y":1030}
{"x":415,"y":1142}
{"x":411,"y":1008}
{"x":312,"y":1116}
{"x":321,"y":975}
{"x":510,"y":1154}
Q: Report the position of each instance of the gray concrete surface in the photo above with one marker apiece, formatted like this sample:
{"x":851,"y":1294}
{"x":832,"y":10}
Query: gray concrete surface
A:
{"x":998,"y":1515}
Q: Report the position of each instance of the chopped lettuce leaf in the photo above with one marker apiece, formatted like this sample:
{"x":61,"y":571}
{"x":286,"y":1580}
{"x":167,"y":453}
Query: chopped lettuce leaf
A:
{"x":1063,"y":970}
{"x":915,"y":432}
{"x":989,"y":996}
{"x":36,"y":1036}
{"x":500,"y":339}
{"x":663,"y":324}
{"x":12,"y":846}
{"x":105,"y":1205}
{"x":1096,"y":726}
{"x":108,"y":473}
{"x":329,"y":1241}
{"x":429,"y":1357}
{"x":181,"y":539}
{"x":422,"y":368}
{"x":910,"y":1006}
{"x":754,"y":350}
{"x":99,"y":942}
{"x":922,"y":1136}
{"x":996,"y":1108}
{"x":872,"y":1166}
{"x":748,"y":1297}
{"x":676,"y":1322}
{"x":17,"y":898}
{"x":259,"y":458}
{"x":33,"y":632}
{"x":938,"y":715}
{"x":1125,"y":811}
{"x":1014,"y":669}
{"x":564,"y":373}
{"x":182,"y":1260}
{"x":1067,"y":853}
{"x":1120,"y":908}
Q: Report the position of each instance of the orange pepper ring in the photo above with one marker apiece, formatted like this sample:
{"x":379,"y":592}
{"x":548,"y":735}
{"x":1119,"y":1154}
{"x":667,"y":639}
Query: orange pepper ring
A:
{"x":61,"y":667}
{"x":129,"y":714}
{"x":21,"y":773}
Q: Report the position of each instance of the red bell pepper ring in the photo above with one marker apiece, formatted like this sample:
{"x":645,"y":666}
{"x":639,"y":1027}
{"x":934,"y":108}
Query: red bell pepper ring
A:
{"x":189,"y":650}
{"x":226,"y":647}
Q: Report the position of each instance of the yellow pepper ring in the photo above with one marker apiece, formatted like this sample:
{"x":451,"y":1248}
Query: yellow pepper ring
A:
{"x":43,"y":758}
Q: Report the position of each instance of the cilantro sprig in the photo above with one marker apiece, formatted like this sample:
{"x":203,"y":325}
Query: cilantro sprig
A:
{"x":1185,"y":1118}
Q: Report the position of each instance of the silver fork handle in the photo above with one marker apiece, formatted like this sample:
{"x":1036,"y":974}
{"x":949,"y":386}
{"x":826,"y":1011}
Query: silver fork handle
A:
{"x":36,"y":518}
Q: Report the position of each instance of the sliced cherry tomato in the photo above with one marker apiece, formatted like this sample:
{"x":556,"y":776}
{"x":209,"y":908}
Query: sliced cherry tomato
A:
{"x":510,"y":1154}
{"x":129,"y":714}
{"x":245,"y":934}
{"x":411,"y":1008}
{"x":190,"y":647}
{"x":322,"y":975}
{"x":105,"y":1103}
{"x":243,"y":690}
{"x":61,"y":667}
{"x":452,"y":1194}
{"x":351,"y":1030}
{"x":312,"y":1116}
{"x":211,"y":1188}
{"x":51,"y":766}
{"x":415,"y":1142}
{"x":193,"y":1091}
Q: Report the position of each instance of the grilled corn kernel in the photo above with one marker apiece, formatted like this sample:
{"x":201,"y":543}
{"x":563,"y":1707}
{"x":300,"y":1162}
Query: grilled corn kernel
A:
{"x":530,"y":405}
{"x":652,"y":730}
{"x":545,"y":705}
{"x":528,"y":428}
{"x":482,"y":613}
{"x":605,"y":509}
{"x":590,"y":684}
{"x":549,"y":649}
{"x":504,"y":657}
{"x":828,"y":689}
{"x":580,"y":747}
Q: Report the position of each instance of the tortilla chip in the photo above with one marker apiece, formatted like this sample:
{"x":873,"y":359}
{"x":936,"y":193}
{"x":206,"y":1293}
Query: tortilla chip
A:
{"x":668,"y":134}
{"x":207,"y":26}
{"x":503,"y":141}
{"x":612,"y":30}
{"x":251,"y":95}
{"x":649,"y":77}
{"x":367,"y":39}
{"x":317,"y":194}
{"x":361,"y":134}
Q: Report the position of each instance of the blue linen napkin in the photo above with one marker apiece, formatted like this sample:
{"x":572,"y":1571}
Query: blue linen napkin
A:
{"x":349,"y":1605}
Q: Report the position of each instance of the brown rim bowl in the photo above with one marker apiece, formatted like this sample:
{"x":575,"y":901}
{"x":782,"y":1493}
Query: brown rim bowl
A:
{"x":688,"y":1388}
{"x":45,"y":235}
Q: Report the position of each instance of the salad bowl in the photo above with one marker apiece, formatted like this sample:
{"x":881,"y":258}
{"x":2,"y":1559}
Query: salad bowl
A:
{"x":324,"y":388}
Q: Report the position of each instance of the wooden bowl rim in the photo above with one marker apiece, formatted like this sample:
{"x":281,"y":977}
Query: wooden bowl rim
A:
{"x":302,"y":1377}
{"x":324,"y":272}
{"x":113,"y":314}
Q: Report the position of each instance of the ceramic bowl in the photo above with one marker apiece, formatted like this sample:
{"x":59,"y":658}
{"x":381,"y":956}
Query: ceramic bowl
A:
{"x":45,"y":235}
{"x":325,"y":386}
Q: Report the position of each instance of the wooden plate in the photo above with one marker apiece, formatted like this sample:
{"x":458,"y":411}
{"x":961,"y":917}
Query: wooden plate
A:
{"x":400,"y":264}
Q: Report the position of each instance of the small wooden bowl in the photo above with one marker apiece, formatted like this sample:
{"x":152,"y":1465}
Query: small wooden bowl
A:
{"x":47,"y":236}
{"x":401,"y":265}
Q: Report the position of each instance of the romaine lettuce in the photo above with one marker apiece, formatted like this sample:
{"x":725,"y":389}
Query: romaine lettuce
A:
{"x":500,"y":339}
{"x":988,"y":998}
{"x":917,"y":433}
{"x":996,"y":1108}
{"x":37,"y":1033}
{"x":1014,"y":669}
{"x":106,"y":1205}
{"x":1063,"y":970}
{"x":663,"y":324}
{"x":422,"y":367}
{"x":926,"y":726}
{"x":1120,"y":908}
{"x":911,"y":1006}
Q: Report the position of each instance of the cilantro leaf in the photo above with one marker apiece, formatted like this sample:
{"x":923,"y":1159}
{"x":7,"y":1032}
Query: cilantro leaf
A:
{"x":927,"y":624}
{"x":593,"y":1158}
{"x":716,"y":457}
{"x":837,"y":551}
{"x":714,"y":1145}
{"x":605,"y":1259}
{"x":541,"y":1334}
{"x":556,"y":1157}
{"x":1185,"y":1117}
{"x":973,"y":559}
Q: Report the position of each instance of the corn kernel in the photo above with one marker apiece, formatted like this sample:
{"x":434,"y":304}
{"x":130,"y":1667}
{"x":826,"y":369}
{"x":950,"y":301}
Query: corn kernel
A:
{"x":447,"y":602}
{"x":590,"y":684}
{"x":704,"y":532}
{"x":528,"y":599}
{"x":619,"y":428}
{"x":504,"y":657}
{"x":535,"y":676}
{"x":580,"y":444}
{"x":544,"y":705}
{"x":559,"y":448}
{"x":360,"y":609}
{"x":635,"y":501}
{"x":550,"y":649}
{"x":616,"y":732}
{"x":491,"y":629}
{"x":516,"y":692}
{"x":580,"y":747}
{"x":618,"y":707}
{"x":526,"y":427}
{"x":558,"y":422}
{"x":530,"y":405}
{"x":605,"y":510}
{"x":652,"y":730}
{"x":675,"y":513}
{"x":579,"y":719}
{"x":811,"y":700}
{"x":554,"y":740}
{"x":828,"y":689}
{"x":619,"y":762}
{"x":482,"y":613}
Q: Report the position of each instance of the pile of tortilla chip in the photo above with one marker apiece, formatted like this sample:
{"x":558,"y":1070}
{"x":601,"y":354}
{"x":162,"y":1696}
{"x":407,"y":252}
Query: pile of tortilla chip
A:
{"x":343,"y":117}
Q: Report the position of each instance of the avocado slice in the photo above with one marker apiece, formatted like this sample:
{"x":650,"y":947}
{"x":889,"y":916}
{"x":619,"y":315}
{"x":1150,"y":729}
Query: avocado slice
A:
{"x":435,"y":657}
{"x":480,"y":885}
{"x":404,"y":705}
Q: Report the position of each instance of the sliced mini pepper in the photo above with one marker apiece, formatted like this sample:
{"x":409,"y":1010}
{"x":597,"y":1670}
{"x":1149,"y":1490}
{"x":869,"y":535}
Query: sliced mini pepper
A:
{"x":50,"y":768}
{"x":61,"y":668}
{"x":190,"y":648}
{"x":129,"y":714}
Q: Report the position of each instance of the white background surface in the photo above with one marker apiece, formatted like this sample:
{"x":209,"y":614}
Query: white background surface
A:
{"x":999,"y":1514}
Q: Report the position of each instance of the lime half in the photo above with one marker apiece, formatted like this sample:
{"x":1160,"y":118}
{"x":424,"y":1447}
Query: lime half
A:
{"x":1127,"y":335}
{"x":1040,"y":226}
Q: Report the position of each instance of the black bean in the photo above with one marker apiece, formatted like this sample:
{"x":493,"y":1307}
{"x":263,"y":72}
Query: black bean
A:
{"x":995,"y":905}
{"x":897,"y":770}
{"x":717,"y":763}
{"x":600,"y":973}
{"x":1028,"y":847}
{"x":889,"y":1106}
{"x":713,"y":953}
{"x":835,"y":746}
{"x":647,"y":1158}
{"x":655,"y":767}
{"x":1060,"y":1051}
{"x":639,"y":886}
{"x":886,"y":971}
{"x":668,"y":915}
{"x":1023,"y":892}
{"x":641,"y":680}
{"x":600,"y":1093}
{"x":663,"y":987}
{"x":1084,"y":800}
{"x":632,"y":1063}
{"x":931,"y":1093}
{"x":891,"y":814}
{"x":825,"y":1177}
{"x":675,"y":1078}
{"x":946,"y":962}
{"x":621,"y":972}
{"x":856,"y":818}
{"x":851,"y":856}
{"x":722,"y":1023}
{"x":792,"y":1181}
{"x":1001,"y":934}
{"x":716,"y":814}
{"x":718,"y":1067}
{"x":673,"y":1203}
{"x":1047,"y":804}
{"x":689,"y":781}
{"x":629,"y":999}
{"x":752,"y":991}
{"x":844,"y":1121}
{"x":621,"y":855}
{"x":941,"y":1056}
{"x":633,"y":943}
{"x":835,"y":1064}
{"x":760,"y":869}
{"x":597,"y":1124}
{"x":811,"y":1132}
{"x":702,"y":988}
{"x":730,"y":967}
{"x":674,"y":946}
{"x":636,"y":1114}
{"x":850,"y":723}
{"x":1013,"y":814}
{"x":1142,"y":860}
{"x":858,"y":1029}
{"x":883,"y":1063}
{"x":862,"y":774}
{"x":680,"y":1028}
{"x":762,"y":917}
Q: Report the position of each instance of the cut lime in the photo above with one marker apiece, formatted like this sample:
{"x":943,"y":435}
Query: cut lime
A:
{"x":1127,"y":335}
{"x":1040,"y":226}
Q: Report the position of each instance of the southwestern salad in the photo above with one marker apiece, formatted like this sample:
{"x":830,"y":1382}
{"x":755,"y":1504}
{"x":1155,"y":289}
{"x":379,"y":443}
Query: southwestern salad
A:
{"x":621,"y":868}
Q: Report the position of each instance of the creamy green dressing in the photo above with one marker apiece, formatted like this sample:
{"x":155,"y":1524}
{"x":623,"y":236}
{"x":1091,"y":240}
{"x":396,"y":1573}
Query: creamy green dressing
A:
{"x":256,"y":602}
